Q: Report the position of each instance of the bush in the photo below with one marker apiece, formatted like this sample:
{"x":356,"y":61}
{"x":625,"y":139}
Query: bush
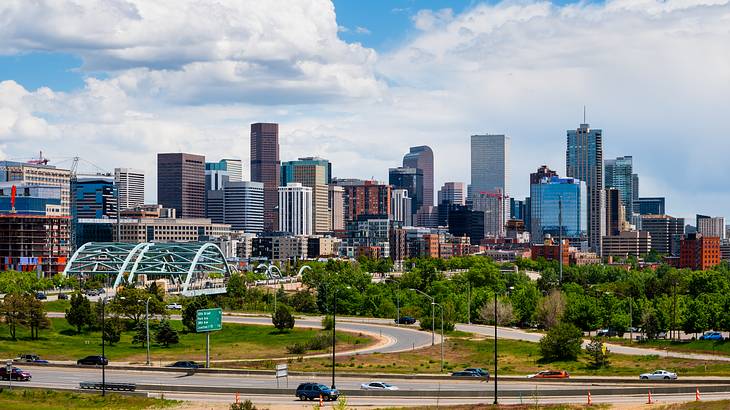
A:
{"x":282,"y":318}
{"x":245,"y":405}
{"x":595,"y":354}
{"x":296,"y":348}
{"x":562,"y":342}
{"x":327,"y":322}
{"x":319,"y":342}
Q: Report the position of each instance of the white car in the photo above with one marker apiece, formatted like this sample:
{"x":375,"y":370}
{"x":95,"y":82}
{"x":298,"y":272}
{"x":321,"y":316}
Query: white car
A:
{"x":658,"y":375}
{"x":378,"y":386}
{"x":174,"y":306}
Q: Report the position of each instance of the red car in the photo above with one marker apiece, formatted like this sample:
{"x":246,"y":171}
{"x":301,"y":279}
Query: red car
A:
{"x":550,"y":374}
{"x":16,"y":373}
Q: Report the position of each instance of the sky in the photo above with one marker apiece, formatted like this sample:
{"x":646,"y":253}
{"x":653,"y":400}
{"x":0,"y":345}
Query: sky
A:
{"x":116,"y":81}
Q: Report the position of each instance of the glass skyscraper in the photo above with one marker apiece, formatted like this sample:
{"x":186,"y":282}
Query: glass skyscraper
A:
{"x":547,"y":197}
{"x":619,"y":175}
{"x":584,"y":161}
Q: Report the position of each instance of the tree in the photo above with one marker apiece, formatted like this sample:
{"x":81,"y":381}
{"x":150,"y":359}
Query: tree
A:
{"x":112,"y":330}
{"x":597,"y":358}
{"x":166,"y":335}
{"x":650,"y":323}
{"x":327,"y":322}
{"x":79,"y":313}
{"x":505,"y":313}
{"x":524,"y":300}
{"x":236,"y":286}
{"x":127,"y":303}
{"x":190,"y":311}
{"x":140,"y":334}
{"x":36,"y":317}
{"x":561,"y":342}
{"x":14,"y":310}
{"x":303,"y":301}
{"x":282,"y":318}
{"x":550,"y":309}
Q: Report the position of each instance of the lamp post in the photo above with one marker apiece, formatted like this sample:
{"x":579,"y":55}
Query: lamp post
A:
{"x":442,"y":334}
{"x":433,"y":316}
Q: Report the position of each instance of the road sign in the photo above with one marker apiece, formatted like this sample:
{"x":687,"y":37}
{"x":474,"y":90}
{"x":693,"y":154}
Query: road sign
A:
{"x":208,"y":320}
{"x":281,"y":370}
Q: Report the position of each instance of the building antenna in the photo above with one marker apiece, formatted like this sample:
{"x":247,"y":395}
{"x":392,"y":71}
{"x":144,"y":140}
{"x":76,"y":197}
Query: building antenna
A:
{"x":584,"y":114}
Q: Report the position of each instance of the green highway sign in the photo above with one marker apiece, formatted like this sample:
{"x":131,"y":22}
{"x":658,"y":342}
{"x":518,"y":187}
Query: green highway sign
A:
{"x":208,"y":320}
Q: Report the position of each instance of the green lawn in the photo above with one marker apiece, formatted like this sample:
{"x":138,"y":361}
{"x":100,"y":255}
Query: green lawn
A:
{"x":515,"y":358}
{"x":235,"y":341}
{"x":26,"y":399}
{"x":695,"y":346}
{"x":57,"y":305}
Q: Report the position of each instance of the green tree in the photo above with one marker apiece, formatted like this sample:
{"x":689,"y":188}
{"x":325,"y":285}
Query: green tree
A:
{"x":13,"y":309}
{"x":327,"y":322}
{"x":79,"y":313}
{"x":303,"y":301}
{"x":236,"y":286}
{"x":166,"y":335}
{"x":282,"y":318}
{"x":524,"y":300}
{"x":140,"y":334}
{"x":596,"y":357}
{"x":36,"y":317}
{"x":190,"y":311}
{"x":112,"y":330}
{"x":561,"y":342}
{"x":550,"y":309}
{"x":650,"y":323}
{"x":130,"y":303}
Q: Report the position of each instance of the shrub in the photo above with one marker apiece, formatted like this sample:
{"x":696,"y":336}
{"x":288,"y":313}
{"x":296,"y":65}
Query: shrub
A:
{"x":244,"y":405}
{"x":327,"y":322}
{"x":296,"y":348}
{"x":562,"y":342}
{"x":319,"y":342}
{"x":282,"y":318}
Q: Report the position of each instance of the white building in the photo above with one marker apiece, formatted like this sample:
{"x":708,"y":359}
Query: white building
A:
{"x":400,"y":206}
{"x":295,"y":209}
{"x":243,"y":206}
{"x":495,"y":215}
{"x":711,"y":226}
{"x":130,"y":186}
{"x":40,"y":174}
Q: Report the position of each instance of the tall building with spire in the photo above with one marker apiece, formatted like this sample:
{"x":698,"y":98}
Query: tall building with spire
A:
{"x":265,"y":168}
{"x":584,"y":161}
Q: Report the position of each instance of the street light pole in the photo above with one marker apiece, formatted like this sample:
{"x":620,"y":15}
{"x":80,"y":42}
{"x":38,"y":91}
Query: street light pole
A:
{"x":433,"y":316}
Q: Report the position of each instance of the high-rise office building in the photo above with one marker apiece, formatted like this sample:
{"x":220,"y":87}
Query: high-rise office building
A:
{"x":364,"y":198}
{"x":400,"y":205}
{"x":490,"y":163}
{"x":181,"y":183}
{"x":619,"y":174}
{"x":243,"y":206}
{"x":410,"y":179}
{"x":517,"y":209}
{"x":336,"y":201}
{"x":666,"y":232}
{"x":615,"y":218}
{"x":634,"y":188}
{"x":492,"y":204}
{"x":452,"y":193}
{"x":421,"y":157}
{"x":93,"y":197}
{"x":711,"y":226}
{"x":554,"y":200}
{"x":466,"y":222}
{"x":315,"y":173}
{"x":265,"y":168}
{"x":130,"y":185}
{"x":584,"y":161}
{"x":39,"y":174}
{"x":650,"y":206}
{"x":295,"y":209}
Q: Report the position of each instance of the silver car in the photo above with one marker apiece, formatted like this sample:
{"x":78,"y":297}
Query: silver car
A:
{"x":658,"y":375}
{"x":378,"y":386}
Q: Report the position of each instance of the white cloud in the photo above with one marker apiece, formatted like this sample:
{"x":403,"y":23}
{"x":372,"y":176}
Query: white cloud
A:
{"x":362,"y":30}
{"x":655,"y":76}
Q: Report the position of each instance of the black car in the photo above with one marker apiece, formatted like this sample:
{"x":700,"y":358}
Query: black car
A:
{"x":16,"y":374}
{"x":93,"y":361}
{"x":32,"y":358}
{"x":483,"y":374}
{"x":311,"y":391}
{"x":610,"y":333}
{"x":186,"y":364}
{"x":40,"y":296}
{"x":405,"y":320}
{"x":62,"y":296}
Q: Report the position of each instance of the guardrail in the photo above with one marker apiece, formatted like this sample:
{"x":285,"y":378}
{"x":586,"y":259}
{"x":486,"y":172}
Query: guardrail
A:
{"x":108,"y":386}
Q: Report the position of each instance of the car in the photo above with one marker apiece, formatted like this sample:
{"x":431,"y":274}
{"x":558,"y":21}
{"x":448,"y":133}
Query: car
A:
{"x":478,"y":370}
{"x":186,"y":364}
{"x":32,"y":358}
{"x":610,"y":333}
{"x":464,"y":373}
{"x":311,"y":391}
{"x":41,"y":296}
{"x":15,"y":374}
{"x":550,"y":374}
{"x":658,"y":375}
{"x":92,"y":292}
{"x":94,"y":360}
{"x":378,"y":386}
{"x":62,"y":296}
{"x":712,"y":336}
{"x":405,"y":320}
{"x":174,"y":306}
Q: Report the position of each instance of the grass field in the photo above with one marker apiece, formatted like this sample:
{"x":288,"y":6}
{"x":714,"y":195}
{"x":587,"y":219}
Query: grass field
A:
{"x":25,"y":399}
{"x":695,"y":346}
{"x":60,"y":342}
{"x":57,"y":305}
{"x":515,"y":358}
{"x":702,"y":405}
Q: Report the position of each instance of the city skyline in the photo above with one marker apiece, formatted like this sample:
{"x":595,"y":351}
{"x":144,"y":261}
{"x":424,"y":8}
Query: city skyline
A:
{"x":121,"y":108}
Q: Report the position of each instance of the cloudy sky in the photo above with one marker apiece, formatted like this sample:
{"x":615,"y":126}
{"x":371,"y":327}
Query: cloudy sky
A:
{"x":115,"y":81}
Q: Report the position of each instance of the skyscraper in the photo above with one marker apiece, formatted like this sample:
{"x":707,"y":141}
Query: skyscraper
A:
{"x":584,"y":161}
{"x":493,"y":205}
{"x":619,"y":175}
{"x":364,"y":198}
{"x":93,"y":197}
{"x":634,"y":187}
{"x":551,"y":196}
{"x":130,"y":185}
{"x":711,"y":226}
{"x":410,"y":179}
{"x":336,"y":202}
{"x":400,"y":205}
{"x":666,"y":232}
{"x":421,"y":157}
{"x":243,"y":206}
{"x":489,"y":163}
{"x":650,"y":206}
{"x":452,"y":193}
{"x":181,"y":183}
{"x":615,"y":218}
{"x":295,"y":209}
{"x":316,"y":173}
{"x":265,"y":168}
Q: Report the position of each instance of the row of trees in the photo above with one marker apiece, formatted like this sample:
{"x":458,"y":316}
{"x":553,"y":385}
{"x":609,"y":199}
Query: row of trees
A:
{"x":23,"y":310}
